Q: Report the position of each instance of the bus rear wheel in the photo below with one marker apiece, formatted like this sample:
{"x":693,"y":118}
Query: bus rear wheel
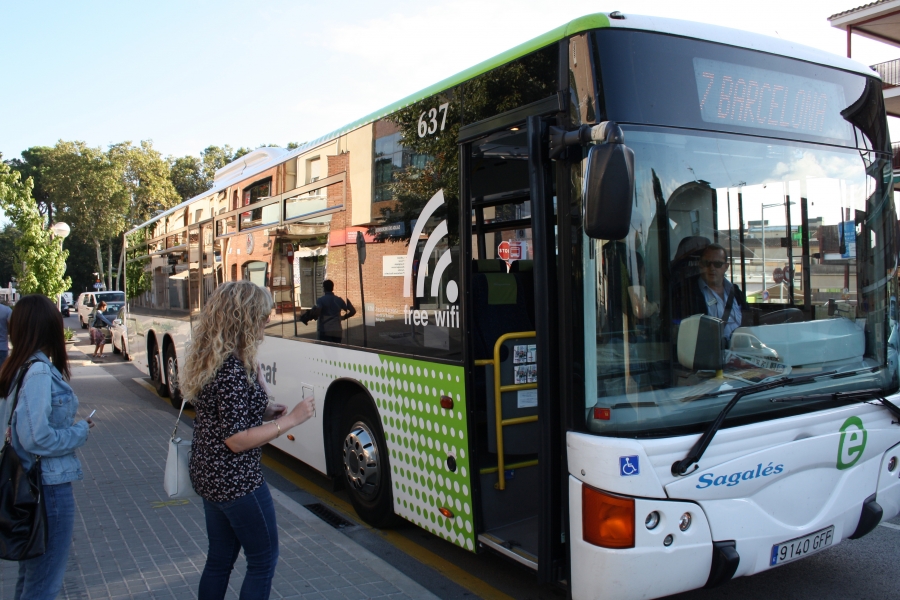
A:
{"x":171,"y":363}
{"x":156,"y":370}
{"x":364,"y":465}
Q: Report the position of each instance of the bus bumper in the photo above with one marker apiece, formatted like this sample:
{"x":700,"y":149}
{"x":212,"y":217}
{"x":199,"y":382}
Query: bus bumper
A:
{"x":651,"y":568}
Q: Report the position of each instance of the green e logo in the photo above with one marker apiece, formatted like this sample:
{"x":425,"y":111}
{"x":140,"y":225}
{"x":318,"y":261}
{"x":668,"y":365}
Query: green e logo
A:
{"x":852,"y":443}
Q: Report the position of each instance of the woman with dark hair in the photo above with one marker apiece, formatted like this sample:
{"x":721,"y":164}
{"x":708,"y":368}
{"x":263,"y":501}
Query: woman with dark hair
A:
{"x":43,"y":428}
{"x":98,"y":322}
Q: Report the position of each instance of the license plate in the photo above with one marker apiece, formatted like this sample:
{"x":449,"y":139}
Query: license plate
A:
{"x":801,"y":546}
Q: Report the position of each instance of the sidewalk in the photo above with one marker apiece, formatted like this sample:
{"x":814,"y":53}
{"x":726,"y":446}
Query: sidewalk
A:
{"x":130,"y":541}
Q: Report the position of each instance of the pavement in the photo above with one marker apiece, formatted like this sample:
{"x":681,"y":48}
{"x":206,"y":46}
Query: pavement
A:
{"x":131,"y":541}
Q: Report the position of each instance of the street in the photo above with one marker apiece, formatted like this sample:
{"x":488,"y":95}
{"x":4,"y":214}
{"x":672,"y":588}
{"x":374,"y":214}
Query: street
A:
{"x":123,"y":463}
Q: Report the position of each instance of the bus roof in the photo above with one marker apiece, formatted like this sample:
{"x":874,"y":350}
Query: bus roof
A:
{"x":262,"y":159}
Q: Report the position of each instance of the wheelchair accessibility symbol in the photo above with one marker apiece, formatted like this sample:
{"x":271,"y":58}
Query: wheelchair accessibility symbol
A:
{"x":629,"y":465}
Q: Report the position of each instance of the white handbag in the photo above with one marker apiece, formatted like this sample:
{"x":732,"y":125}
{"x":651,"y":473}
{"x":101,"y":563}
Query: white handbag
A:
{"x":177,"y":480}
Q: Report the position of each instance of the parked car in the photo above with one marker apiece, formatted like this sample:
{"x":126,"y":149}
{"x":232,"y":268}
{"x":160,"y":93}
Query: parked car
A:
{"x":64,"y":306}
{"x":88,"y":300}
{"x":119,"y":335}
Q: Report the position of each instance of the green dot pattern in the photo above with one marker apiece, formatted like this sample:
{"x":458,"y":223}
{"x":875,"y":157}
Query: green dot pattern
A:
{"x":420,"y":436}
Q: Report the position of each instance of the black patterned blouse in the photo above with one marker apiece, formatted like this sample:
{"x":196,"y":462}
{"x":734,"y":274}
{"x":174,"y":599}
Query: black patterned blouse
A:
{"x":226,"y":405}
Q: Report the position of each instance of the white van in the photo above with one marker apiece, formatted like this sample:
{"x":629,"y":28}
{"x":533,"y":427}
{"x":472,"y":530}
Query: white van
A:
{"x":88,"y":300}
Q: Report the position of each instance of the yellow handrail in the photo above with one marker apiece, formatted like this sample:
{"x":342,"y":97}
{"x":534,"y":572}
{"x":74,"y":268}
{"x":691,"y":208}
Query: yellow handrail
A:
{"x":498,"y":405}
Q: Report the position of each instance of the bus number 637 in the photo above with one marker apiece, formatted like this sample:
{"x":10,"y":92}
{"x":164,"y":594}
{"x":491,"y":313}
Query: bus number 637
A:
{"x":429,"y":126}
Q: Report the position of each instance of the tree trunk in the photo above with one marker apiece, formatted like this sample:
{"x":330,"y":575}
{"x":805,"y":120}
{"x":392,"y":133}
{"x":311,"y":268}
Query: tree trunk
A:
{"x":121,"y":267}
{"x":109,"y":285}
{"x":99,"y":260}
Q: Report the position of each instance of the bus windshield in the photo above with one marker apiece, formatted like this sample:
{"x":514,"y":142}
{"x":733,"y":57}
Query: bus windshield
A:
{"x":789,"y":244}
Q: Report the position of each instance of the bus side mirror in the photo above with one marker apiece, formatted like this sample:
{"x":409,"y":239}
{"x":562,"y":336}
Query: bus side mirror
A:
{"x":609,"y":190}
{"x":700,"y":343}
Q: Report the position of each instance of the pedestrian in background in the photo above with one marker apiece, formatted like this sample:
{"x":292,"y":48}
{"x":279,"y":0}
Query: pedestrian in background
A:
{"x":223,"y":379}
{"x":5,"y":313}
{"x":98,"y":322}
{"x":43,"y":426}
{"x":331,"y":313}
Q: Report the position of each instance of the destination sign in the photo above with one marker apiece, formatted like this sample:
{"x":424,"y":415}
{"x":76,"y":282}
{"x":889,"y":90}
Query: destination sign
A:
{"x":764,"y":99}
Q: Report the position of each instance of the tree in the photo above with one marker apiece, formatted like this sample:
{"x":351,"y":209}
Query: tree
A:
{"x":33,"y":164}
{"x":86,"y":186}
{"x":9,"y":243}
{"x":41,"y":261}
{"x":242,"y":151}
{"x":186,"y":174}
{"x":213,"y":159}
{"x":145,"y":176}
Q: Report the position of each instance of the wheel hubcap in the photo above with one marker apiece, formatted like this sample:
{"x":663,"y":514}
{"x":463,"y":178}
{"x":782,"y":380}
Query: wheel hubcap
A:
{"x":154,"y":367}
{"x":361,"y":459}
{"x":172,"y":373}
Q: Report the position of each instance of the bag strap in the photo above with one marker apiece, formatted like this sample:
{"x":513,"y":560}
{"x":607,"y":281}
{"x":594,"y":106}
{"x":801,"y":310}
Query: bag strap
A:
{"x":175,"y":431}
{"x":20,"y":378}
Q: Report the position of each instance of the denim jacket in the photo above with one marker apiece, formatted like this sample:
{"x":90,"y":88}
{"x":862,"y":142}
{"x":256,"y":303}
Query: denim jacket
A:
{"x":44,"y":425}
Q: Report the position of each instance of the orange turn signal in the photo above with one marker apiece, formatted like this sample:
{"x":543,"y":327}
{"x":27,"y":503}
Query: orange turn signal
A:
{"x":606,"y":520}
{"x":447,"y":402}
{"x":446,"y":512}
{"x":290,"y":437}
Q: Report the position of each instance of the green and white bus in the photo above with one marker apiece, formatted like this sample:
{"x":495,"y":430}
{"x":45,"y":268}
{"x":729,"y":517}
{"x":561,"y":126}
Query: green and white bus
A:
{"x":537,"y":361}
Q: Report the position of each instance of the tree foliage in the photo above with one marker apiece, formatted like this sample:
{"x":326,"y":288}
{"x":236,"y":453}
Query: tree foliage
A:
{"x":186,"y":174}
{"x":9,"y":243}
{"x":41,"y":261}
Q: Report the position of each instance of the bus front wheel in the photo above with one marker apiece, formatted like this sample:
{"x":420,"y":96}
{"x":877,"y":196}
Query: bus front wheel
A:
{"x":365,"y":466}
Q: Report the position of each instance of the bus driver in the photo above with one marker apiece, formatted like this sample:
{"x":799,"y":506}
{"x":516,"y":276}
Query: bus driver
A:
{"x":712,"y":294}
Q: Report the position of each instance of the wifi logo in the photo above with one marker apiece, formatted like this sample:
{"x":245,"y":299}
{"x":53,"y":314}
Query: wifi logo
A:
{"x":452,"y":290}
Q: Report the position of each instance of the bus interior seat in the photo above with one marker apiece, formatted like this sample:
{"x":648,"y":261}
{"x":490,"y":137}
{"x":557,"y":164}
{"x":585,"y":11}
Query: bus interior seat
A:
{"x":684,"y":271}
{"x":489,"y":265}
{"x":523,"y":271}
{"x":498,"y":308}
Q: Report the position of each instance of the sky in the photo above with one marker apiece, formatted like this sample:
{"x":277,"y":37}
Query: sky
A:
{"x":187,"y":74}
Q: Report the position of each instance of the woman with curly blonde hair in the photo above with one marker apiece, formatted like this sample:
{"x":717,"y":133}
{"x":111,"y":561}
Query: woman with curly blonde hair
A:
{"x":222,"y":378}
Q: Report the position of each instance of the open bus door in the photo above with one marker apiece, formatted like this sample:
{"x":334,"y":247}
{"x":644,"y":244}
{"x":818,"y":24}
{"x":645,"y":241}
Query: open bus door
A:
{"x":513,"y":351}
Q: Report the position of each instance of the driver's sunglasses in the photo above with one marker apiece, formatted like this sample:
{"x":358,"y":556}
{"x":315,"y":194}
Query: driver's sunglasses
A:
{"x":715,"y":263}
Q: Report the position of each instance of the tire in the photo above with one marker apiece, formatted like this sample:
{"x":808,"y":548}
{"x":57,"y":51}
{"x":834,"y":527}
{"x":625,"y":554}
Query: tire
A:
{"x":125,"y":354}
{"x":364,"y":465}
{"x":171,"y":364}
{"x":156,"y":370}
{"x":115,"y":350}
{"x":83,"y":324}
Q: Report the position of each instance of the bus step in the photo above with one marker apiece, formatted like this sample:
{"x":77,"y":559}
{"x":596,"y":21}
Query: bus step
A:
{"x":328,"y":515}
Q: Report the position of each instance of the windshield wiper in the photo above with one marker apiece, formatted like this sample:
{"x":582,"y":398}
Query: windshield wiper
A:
{"x":680,"y":467}
{"x":869,"y":394}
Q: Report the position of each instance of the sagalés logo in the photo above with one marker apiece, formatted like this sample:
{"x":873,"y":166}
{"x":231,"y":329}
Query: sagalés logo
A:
{"x":852,"y":443}
{"x":447,"y":317}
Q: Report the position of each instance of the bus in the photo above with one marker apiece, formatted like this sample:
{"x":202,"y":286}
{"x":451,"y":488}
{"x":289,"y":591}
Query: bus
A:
{"x":535,"y":359}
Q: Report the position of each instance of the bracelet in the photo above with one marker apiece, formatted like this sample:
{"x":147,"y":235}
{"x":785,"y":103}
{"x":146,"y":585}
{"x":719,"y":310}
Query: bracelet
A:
{"x":279,"y":428}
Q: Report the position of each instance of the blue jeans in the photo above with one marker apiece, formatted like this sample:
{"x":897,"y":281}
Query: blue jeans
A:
{"x":248,"y":523}
{"x":41,"y":578}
